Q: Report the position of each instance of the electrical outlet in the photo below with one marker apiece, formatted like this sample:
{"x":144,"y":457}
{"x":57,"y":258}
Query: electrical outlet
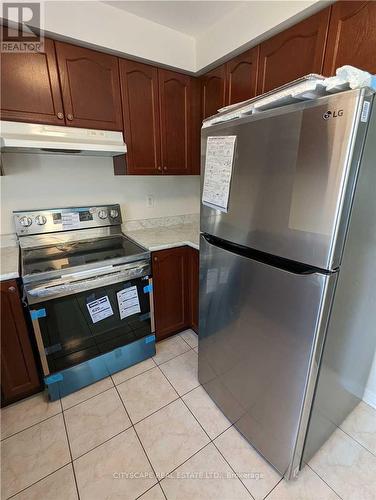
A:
{"x":150,"y":201}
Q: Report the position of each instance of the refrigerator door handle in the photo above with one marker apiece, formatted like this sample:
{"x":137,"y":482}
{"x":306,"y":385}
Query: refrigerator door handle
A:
{"x":265,"y":258}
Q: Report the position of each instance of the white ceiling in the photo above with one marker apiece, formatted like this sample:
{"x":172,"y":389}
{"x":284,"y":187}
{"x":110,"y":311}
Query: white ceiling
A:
{"x":190,"y":17}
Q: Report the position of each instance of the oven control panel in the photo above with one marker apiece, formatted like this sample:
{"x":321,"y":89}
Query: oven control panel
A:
{"x":30,"y":222}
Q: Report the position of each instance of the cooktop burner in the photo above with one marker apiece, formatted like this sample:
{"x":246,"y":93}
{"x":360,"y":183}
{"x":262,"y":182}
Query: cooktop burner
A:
{"x":77,"y":253}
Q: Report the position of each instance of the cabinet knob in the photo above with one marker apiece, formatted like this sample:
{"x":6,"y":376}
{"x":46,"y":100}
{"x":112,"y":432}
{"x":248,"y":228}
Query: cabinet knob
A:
{"x":12,"y":289}
{"x":60,"y":116}
{"x":155,"y":259}
{"x":70,"y":117}
{"x":164,"y":168}
{"x":159,"y":168}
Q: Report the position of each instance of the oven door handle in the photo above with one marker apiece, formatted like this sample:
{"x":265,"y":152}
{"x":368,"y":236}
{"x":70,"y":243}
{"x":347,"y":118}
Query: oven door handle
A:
{"x":63,"y":287}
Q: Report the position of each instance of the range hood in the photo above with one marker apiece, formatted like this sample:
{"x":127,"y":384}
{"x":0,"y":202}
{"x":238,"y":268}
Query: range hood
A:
{"x":20,"y":137}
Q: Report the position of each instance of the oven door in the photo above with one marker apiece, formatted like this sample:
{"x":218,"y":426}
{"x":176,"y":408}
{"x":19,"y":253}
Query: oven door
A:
{"x":86,"y":336}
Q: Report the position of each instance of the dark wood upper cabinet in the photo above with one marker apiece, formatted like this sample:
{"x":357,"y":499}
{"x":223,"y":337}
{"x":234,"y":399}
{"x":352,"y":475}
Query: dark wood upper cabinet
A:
{"x":19,"y":374}
{"x":30,"y":90}
{"x":295,"y":52}
{"x":175,"y":112}
{"x":170,"y":291}
{"x":196,"y":122}
{"x":139,"y":88}
{"x":352,"y":37}
{"x":242,"y":76}
{"x":90,"y":87}
{"x":213,"y":91}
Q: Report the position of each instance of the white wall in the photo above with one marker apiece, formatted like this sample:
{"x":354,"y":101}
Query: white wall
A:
{"x":44,"y":181}
{"x":105,"y":26}
{"x":95,"y":23}
{"x":370,"y":392}
{"x":249,"y":24}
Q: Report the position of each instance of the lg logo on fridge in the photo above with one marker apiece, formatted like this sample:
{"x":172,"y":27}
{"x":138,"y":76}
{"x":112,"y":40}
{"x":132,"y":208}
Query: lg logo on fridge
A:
{"x":332,"y":114}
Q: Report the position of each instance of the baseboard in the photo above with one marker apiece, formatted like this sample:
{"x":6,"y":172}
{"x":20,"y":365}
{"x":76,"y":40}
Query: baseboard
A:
{"x":369,"y":397}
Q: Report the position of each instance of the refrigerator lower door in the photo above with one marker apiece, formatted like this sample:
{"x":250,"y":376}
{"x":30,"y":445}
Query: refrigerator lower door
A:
{"x":261,"y":335}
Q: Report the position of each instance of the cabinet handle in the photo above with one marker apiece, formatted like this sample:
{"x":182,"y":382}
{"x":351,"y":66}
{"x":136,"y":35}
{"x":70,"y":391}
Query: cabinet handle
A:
{"x":70,"y":117}
{"x":12,"y":289}
{"x":155,"y":259}
{"x":60,"y":115}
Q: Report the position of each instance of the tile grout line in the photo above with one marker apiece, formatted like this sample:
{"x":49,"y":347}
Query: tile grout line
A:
{"x":62,"y":409}
{"x":356,"y":441}
{"x":174,"y":357}
{"x":323,"y":480}
{"x":70,"y":452}
{"x":90,"y":397}
{"x":151,"y":487}
{"x":98,"y":445}
{"x":274,"y":487}
{"x":210,"y":440}
{"x":186,"y":341}
{"x":39,"y":480}
{"x":179,"y":397}
{"x":134,"y":376}
{"x":139,"y":439}
{"x":30,"y":426}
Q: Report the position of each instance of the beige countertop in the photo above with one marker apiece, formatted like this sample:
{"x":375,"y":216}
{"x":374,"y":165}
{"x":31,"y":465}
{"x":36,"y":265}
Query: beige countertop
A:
{"x":9,"y":262}
{"x":162,"y":237}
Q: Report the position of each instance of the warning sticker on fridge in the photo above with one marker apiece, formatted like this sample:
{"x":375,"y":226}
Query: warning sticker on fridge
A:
{"x":128,"y":302}
{"x":99,"y":309}
{"x":218,"y":171}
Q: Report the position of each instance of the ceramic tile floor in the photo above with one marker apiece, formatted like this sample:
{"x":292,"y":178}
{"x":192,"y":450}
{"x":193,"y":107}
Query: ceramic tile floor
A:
{"x":120,"y":437}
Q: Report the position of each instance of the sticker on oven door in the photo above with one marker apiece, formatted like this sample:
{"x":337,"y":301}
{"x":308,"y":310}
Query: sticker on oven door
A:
{"x":99,"y":309}
{"x":128,"y":302}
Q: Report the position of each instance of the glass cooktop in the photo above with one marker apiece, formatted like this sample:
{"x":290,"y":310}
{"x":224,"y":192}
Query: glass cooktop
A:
{"x":77,"y":253}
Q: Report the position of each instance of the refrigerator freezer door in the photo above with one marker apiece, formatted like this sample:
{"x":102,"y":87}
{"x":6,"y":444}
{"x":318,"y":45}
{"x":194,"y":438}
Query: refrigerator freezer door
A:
{"x":261,"y":334}
{"x":293,"y":177}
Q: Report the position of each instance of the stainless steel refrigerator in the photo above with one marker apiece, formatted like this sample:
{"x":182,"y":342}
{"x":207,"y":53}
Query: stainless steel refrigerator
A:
{"x":287,"y":326}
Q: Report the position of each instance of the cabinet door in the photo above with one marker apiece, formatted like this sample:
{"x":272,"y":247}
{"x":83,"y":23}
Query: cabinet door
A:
{"x":30,"y":90}
{"x":90,"y":87}
{"x":196,"y":119}
{"x":175,"y":100}
{"x":242,"y":76}
{"x":19,"y":375}
{"x":351,"y":37}
{"x":293,"y":53}
{"x":213,"y":91}
{"x":170,"y":290}
{"x":139,"y":87}
{"x":194,"y":271}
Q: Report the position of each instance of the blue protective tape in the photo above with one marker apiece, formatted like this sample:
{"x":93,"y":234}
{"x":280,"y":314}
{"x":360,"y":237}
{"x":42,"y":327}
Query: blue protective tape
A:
{"x":373,"y":82}
{"x":56,"y":377}
{"x":148,"y":288}
{"x":149,"y":338}
{"x":38,"y":313}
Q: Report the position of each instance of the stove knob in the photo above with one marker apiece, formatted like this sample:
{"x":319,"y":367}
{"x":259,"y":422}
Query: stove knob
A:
{"x":25,"y":221}
{"x":114,"y":213}
{"x":102,"y":214}
{"x":40,"y":220}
